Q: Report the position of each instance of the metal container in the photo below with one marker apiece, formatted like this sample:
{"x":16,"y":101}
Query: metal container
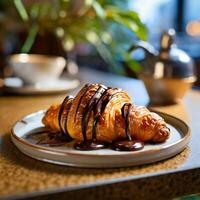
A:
{"x":168,"y":73}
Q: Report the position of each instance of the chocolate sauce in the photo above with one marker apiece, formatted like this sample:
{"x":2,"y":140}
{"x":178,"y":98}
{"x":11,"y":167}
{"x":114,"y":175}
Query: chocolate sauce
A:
{"x":97,"y":104}
{"x":23,"y":121}
{"x":48,"y":137}
{"x":53,"y":139}
{"x":125,"y":114}
{"x":79,"y":102}
{"x":35,"y":133}
{"x":100,"y":107}
{"x":90,"y":144}
{"x":109,"y":97}
{"x":98,"y":111}
{"x":64,"y":131}
{"x":127,"y":145}
{"x":86,"y":113}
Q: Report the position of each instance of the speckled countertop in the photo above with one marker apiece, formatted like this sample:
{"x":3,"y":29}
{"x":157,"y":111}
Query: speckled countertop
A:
{"x":22,"y":176}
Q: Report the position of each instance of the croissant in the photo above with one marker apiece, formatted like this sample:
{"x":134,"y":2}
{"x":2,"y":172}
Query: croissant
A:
{"x":100,"y":115}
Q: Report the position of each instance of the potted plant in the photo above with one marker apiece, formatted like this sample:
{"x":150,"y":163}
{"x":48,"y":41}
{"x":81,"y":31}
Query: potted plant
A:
{"x":101,"y":23}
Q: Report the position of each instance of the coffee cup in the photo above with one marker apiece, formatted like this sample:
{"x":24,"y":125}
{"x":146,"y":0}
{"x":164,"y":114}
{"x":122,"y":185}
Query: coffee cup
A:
{"x":33,"y":68}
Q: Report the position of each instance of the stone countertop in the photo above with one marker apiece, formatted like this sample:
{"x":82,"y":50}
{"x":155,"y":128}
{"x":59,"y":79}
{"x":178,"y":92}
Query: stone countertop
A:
{"x":21,"y":176}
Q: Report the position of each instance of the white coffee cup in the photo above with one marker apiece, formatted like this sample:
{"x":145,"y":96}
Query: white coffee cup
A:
{"x":33,"y":68}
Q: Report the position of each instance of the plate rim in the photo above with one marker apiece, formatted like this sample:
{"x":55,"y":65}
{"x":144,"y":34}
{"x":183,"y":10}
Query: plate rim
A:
{"x":185,"y":137}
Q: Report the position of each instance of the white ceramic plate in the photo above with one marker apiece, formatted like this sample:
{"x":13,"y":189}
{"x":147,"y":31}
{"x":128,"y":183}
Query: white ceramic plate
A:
{"x":104,"y":158}
{"x":16,"y":86}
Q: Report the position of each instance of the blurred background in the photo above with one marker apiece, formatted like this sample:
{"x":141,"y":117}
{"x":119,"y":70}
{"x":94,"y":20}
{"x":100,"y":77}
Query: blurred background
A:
{"x":47,"y":35}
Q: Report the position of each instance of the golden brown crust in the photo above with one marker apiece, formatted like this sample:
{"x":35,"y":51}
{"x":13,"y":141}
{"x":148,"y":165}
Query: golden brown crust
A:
{"x":143,"y":124}
{"x":147,"y":126}
{"x":50,"y":119}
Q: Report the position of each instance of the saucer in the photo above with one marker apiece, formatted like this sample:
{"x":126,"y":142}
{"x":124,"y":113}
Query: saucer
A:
{"x":14,"y":85}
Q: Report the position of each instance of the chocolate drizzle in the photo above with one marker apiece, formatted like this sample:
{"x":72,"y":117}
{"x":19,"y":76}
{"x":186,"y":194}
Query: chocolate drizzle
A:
{"x":125,"y":114}
{"x":53,"y":139}
{"x":128,"y":144}
{"x":23,"y":121}
{"x":86,"y":113}
{"x":100,"y":107}
{"x":60,"y":116}
{"x":79,"y":102}
{"x":96,"y":106}
{"x":47,"y":137}
{"x":94,"y":143}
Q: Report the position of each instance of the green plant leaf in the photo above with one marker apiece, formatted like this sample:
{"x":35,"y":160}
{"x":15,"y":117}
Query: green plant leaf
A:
{"x":130,"y":19}
{"x":132,"y":64}
{"x":99,"y":10}
{"x":21,"y":10}
{"x":105,"y":53}
{"x":30,"y":39}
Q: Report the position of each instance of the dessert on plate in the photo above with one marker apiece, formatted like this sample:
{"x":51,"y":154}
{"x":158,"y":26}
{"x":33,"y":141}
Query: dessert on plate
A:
{"x":101,"y":117}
